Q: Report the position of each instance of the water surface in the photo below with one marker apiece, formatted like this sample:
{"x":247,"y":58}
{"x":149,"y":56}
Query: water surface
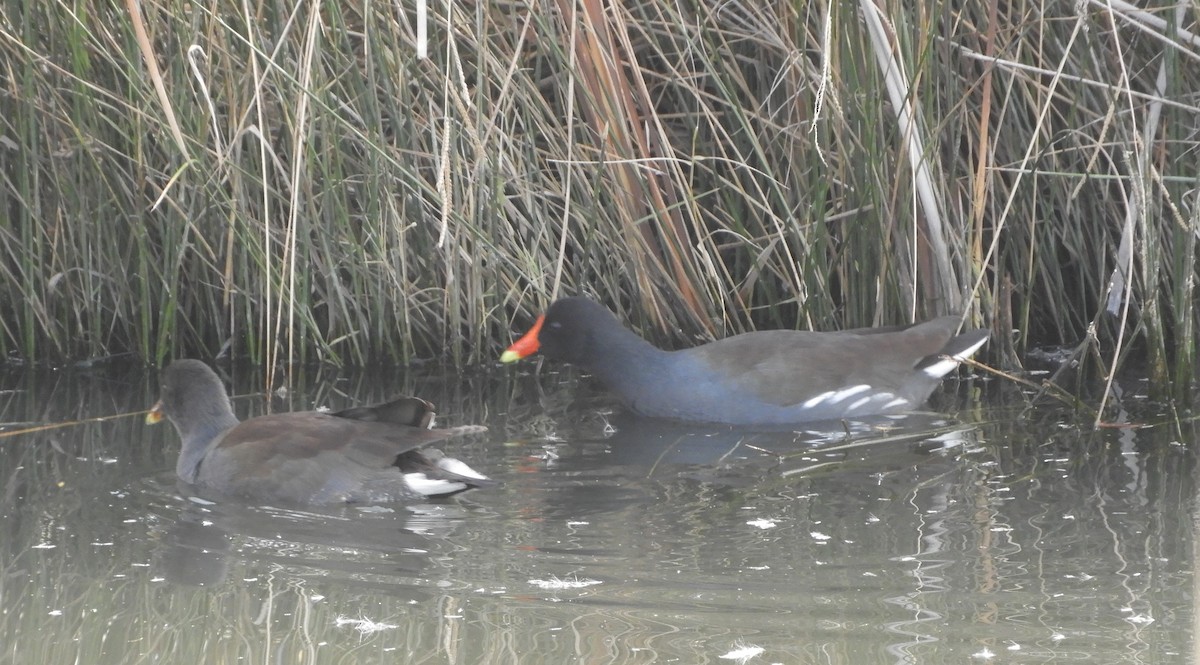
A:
{"x":984,"y":533}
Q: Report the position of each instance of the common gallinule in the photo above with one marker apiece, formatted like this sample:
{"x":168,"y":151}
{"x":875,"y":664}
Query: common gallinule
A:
{"x":369,"y":454}
{"x":774,"y":377}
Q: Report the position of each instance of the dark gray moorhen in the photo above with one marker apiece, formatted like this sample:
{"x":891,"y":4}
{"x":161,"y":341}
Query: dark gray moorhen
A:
{"x":370,"y":454}
{"x":766,"y":378}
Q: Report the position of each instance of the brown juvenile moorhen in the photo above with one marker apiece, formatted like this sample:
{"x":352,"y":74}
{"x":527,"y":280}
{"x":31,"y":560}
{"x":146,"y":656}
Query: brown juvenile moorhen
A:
{"x":370,"y":454}
{"x":766,"y":378}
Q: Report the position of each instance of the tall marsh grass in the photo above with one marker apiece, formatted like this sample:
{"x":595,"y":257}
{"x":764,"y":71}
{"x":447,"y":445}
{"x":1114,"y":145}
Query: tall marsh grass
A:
{"x":291,"y":182}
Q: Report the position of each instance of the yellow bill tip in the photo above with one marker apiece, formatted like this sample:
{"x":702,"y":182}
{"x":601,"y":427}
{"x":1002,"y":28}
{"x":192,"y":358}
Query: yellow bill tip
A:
{"x":527,"y":345}
{"x":509,"y":356}
{"x":155,"y":415}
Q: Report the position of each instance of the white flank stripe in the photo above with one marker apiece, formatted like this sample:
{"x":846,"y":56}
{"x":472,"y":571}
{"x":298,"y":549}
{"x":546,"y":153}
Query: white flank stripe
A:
{"x":899,"y":401}
{"x":815,"y":400}
{"x":859,"y":402}
{"x":846,"y":393}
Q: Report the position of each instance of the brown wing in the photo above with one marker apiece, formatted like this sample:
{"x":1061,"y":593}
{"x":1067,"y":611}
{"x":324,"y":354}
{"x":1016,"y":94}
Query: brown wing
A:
{"x":788,"y":367}
{"x":411,"y":411}
{"x":304,"y":456}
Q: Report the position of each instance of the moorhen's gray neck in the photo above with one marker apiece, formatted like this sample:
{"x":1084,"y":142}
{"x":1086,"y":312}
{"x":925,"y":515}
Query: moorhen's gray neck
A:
{"x":195,"y":401}
{"x":197,"y":440}
{"x":588,"y":335}
{"x":622,"y":360}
